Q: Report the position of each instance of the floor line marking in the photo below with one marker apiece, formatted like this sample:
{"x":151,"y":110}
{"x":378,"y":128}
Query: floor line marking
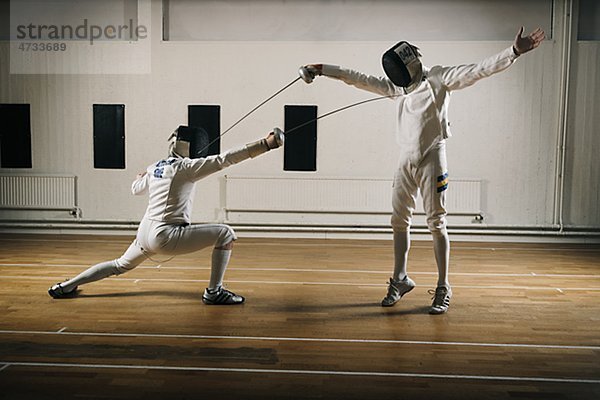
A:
{"x":62,"y":329}
{"x":3,"y":367}
{"x":312,"y":372}
{"x":318,"y":270}
{"x":305,"y":339}
{"x":589,"y":247}
{"x":120,"y":279}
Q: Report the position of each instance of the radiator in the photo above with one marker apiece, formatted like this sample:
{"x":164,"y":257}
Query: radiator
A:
{"x":38,"y":192}
{"x":335,"y":195}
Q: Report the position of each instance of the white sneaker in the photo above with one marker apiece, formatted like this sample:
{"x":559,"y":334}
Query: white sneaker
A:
{"x":441,"y":300}
{"x":396,"y":290}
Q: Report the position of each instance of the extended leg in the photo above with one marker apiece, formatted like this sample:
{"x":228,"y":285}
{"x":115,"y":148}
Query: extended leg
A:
{"x":133,"y":257}
{"x":403,"y":204}
{"x":433,"y":184}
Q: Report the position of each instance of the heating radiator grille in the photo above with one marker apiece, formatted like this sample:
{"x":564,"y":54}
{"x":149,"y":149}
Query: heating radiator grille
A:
{"x":44,"y":192}
{"x":334,"y":195}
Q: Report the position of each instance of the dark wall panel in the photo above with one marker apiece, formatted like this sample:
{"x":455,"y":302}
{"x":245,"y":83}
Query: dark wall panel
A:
{"x":15,"y":136}
{"x":300,"y":150}
{"x":109,"y":136}
{"x":207,"y":117}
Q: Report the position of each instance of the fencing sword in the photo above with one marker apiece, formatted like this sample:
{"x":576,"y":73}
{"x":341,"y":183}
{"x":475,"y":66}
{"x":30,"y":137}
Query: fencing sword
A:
{"x":280,"y":135}
{"x":307,"y":76}
{"x":303,"y":73}
{"x":337,"y":110}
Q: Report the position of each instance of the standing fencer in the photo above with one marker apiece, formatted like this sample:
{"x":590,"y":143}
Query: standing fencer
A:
{"x":166,"y":228}
{"x":422,"y":97}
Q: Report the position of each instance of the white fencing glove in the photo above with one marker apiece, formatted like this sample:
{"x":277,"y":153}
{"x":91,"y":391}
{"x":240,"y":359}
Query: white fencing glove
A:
{"x":310,"y":71}
{"x":274,"y":140}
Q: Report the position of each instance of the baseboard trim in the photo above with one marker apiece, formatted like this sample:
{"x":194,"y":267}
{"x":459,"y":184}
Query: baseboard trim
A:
{"x":477,"y":233}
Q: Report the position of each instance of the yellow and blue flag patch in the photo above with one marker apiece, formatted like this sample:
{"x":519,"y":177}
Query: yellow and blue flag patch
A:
{"x":442,"y":182}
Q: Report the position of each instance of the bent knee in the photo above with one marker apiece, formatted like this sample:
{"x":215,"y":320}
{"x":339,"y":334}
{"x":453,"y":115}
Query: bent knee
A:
{"x":225,"y":238}
{"x":226,"y":246}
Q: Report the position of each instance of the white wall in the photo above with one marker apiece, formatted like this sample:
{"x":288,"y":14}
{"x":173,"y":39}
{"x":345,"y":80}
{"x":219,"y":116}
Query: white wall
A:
{"x":505,"y":128}
{"x":352,"y":20}
{"x":582,"y":184}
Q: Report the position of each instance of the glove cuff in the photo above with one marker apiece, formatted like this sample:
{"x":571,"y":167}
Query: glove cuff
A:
{"x":331,"y":70}
{"x":257,"y":148}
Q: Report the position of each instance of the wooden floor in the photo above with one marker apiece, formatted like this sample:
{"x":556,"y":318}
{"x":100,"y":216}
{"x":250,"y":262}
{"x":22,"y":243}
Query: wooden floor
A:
{"x":524,"y":323}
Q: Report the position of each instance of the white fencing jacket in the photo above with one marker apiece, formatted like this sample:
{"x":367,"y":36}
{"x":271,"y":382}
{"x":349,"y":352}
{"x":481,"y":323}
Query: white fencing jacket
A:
{"x":171,"y":183}
{"x":422,"y":114}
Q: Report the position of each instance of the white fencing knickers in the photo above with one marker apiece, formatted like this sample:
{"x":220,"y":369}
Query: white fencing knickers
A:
{"x":155,"y":237}
{"x":430,"y":176}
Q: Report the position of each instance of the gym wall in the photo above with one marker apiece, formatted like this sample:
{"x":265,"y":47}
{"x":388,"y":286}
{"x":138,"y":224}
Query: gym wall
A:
{"x":511,"y":132}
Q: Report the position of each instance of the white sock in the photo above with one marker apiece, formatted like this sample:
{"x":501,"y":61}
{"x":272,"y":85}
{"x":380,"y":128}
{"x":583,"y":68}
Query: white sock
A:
{"x":220,"y":259}
{"x":92,"y":274}
{"x":441,"y":249}
{"x":401,"y":247}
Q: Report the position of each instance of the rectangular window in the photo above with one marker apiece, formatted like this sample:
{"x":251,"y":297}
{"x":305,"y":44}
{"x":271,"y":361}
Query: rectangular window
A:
{"x":109,"y":136}
{"x":589,"y":15}
{"x":207,"y":117}
{"x":300,"y":150}
{"x":15,"y":136}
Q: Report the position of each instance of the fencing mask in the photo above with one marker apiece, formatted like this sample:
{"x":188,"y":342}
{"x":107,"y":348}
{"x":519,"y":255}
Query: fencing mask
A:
{"x":188,"y":141}
{"x":402,"y":65}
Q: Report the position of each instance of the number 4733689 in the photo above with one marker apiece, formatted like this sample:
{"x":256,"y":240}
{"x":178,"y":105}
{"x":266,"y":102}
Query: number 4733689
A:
{"x":43,"y":46}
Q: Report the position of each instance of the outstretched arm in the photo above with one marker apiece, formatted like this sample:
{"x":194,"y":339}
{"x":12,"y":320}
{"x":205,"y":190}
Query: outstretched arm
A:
{"x":202,"y":167}
{"x":462,"y":76}
{"x":374,"y":84}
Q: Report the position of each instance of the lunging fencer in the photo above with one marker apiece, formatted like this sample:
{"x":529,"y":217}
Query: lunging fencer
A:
{"x":422,"y":96}
{"x":166,"y":227}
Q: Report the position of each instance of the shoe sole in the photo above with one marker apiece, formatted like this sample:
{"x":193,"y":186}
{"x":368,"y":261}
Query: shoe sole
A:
{"x":399,"y":298}
{"x":211,"y":303}
{"x":70,"y":295}
{"x":435,"y":312}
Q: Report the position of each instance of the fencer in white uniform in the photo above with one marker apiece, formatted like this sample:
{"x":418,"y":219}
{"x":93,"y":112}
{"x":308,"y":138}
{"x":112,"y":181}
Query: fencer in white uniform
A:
{"x":166,"y":227}
{"x":422,"y":96}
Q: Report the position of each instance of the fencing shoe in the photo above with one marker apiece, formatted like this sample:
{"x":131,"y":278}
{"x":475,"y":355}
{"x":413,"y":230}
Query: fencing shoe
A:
{"x":441,"y":300}
{"x":57,"y":292}
{"x":221,"y":296}
{"x":396,"y":290}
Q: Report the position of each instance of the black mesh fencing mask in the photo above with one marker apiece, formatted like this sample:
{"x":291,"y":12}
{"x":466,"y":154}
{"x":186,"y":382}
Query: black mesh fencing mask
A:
{"x":401,"y":64}
{"x":194,"y":138}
